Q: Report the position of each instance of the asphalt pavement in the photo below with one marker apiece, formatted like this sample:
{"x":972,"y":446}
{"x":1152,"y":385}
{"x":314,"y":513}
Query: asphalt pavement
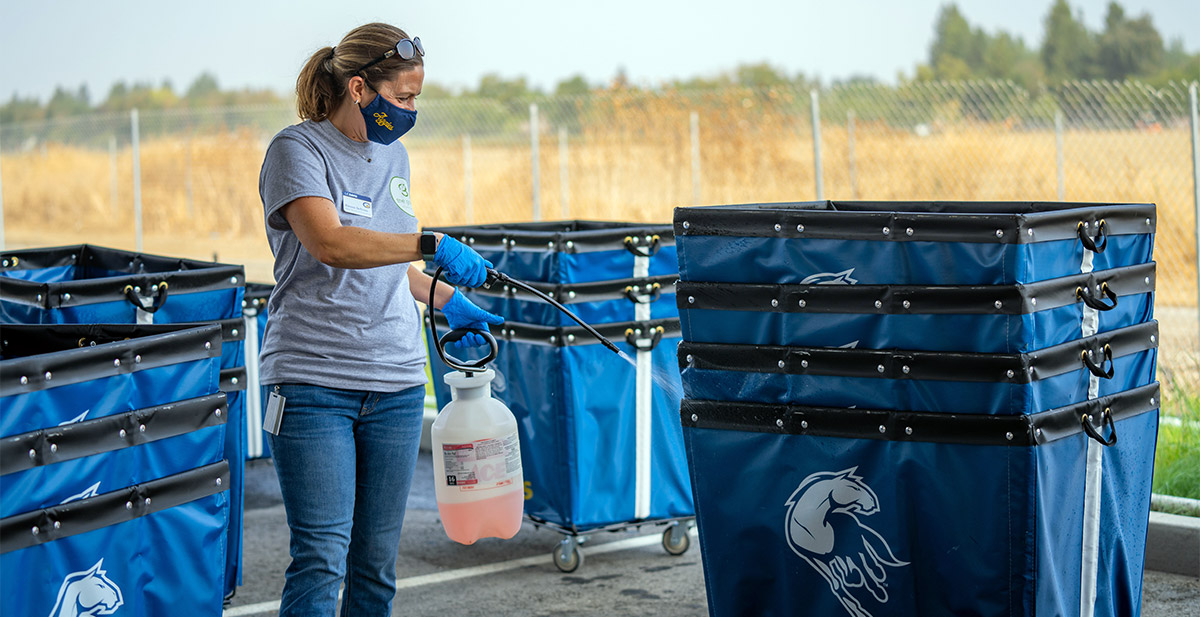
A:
{"x":624,"y":573}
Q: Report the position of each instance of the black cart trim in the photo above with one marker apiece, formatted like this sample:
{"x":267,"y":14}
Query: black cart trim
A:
{"x":562,"y":236}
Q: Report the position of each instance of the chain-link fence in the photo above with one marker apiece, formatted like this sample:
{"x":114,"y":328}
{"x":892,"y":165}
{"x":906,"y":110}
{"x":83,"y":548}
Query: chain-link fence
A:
{"x":633,"y":155}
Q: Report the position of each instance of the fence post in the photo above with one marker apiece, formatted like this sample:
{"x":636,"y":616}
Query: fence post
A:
{"x":850,"y":153}
{"x":816,"y":137}
{"x":1058,"y":154}
{"x":470,"y":198}
{"x":562,"y":171}
{"x":1196,"y":182}
{"x":695,"y":131}
{"x":137,"y":178}
{"x":533,"y":146}
{"x":1,"y":204}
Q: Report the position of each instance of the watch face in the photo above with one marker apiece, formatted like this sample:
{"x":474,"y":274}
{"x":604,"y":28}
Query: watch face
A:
{"x":428,"y":244}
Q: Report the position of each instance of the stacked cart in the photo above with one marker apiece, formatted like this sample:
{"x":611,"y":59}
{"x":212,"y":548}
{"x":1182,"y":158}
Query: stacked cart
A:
{"x":86,"y":284}
{"x":920,"y":407}
{"x":600,"y":443}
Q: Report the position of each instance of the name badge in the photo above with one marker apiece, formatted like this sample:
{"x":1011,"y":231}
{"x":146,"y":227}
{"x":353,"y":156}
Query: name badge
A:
{"x":356,"y":204}
{"x":273,"y":417}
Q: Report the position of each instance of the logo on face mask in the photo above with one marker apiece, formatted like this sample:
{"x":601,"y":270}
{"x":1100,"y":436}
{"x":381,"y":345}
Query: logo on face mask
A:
{"x":381,"y":120}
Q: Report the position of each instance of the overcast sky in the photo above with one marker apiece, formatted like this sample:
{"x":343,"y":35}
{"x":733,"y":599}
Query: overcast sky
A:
{"x":247,"y":43}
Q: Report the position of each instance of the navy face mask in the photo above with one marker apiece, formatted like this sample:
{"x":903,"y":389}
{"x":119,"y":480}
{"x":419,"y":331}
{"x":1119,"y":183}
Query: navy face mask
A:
{"x":386,"y":122}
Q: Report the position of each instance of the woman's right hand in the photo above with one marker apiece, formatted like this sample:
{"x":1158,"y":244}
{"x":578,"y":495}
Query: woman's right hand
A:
{"x":460,"y":263}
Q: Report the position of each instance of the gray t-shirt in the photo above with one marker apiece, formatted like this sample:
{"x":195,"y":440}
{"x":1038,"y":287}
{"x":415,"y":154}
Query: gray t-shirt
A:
{"x":334,"y":327}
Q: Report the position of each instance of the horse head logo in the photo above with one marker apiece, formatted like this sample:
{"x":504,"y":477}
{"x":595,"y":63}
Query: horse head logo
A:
{"x":87,"y":594}
{"x":823,"y":528}
{"x":830,"y":278}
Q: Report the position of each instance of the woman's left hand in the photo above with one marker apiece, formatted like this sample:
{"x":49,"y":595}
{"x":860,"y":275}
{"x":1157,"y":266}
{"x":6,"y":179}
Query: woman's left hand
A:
{"x":462,"y":313}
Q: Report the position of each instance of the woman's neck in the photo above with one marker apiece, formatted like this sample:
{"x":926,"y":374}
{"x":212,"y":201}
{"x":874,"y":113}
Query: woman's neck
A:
{"x":348,"y":119}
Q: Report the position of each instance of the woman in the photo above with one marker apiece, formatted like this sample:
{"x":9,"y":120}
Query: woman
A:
{"x":342,"y":350}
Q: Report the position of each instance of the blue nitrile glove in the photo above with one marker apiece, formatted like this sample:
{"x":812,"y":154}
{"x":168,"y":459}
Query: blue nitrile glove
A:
{"x":462,"y":313}
{"x":461,"y":264}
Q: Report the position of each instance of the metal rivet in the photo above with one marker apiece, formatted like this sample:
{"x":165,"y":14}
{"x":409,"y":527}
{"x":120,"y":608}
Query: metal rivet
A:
{"x":1152,"y":401}
{"x":882,"y":428}
{"x":908,"y":430}
{"x":1008,"y":436}
{"x":57,"y":524}
{"x":154,"y":289}
{"x":1147,"y":280}
{"x":234,"y":380}
{"x":804,"y":424}
{"x":774,"y":302}
{"x":233,"y":280}
{"x":780,"y":363}
{"x":570,"y":338}
{"x":907,"y":304}
{"x":24,"y":380}
{"x":778,"y":227}
{"x":137,"y":289}
{"x":1011,"y":373}
{"x":128,"y":505}
{"x":32,"y":453}
{"x":217,"y":412}
{"x":570,"y":244}
{"x":804,"y":364}
{"x":36,"y":531}
{"x":549,"y":245}
{"x":779,"y":423}
{"x":803,"y":303}
{"x":878,"y":304}
{"x":5,"y":263}
{"x":48,"y":376}
{"x":880,"y":368}
{"x":695,"y":417}
{"x":1147,"y":221}
{"x":117,"y":362}
{"x":147,"y":501}
{"x":689,"y":358}
{"x":685,"y":225}
{"x":1033,"y":301}
{"x":1038,"y":432}
{"x":999,"y":233}
{"x":887,"y":231}
{"x":1153,"y":339}
{"x":39,"y":299}
{"x":234,"y":332}
{"x":137,"y":359}
{"x":905,"y":369}
{"x":54,"y":447}
{"x":999,"y":304}
{"x":691,"y":299}
{"x":553,"y":339}
{"x":908,"y":232}
{"x":800,"y":228}
{"x":122,"y":433}
{"x":218,"y":482}
{"x":571,"y":294}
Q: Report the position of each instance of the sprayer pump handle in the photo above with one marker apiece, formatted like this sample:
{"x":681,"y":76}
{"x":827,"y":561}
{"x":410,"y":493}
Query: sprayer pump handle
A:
{"x":457,"y":334}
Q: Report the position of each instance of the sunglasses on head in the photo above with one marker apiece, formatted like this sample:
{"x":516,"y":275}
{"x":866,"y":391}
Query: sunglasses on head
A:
{"x":407,"y":49}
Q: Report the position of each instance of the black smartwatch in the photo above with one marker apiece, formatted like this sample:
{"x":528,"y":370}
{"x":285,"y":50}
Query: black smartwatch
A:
{"x":428,"y":245}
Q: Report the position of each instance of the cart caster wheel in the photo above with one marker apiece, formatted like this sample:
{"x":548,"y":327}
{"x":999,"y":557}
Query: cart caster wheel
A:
{"x":675,"y":540}
{"x":567,"y":557}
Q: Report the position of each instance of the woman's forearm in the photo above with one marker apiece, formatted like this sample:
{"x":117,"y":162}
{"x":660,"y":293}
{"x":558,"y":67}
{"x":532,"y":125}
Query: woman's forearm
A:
{"x":418,"y":283}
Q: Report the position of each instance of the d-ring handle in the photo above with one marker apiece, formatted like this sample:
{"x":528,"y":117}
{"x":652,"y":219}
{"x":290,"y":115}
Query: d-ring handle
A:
{"x":1107,"y":422}
{"x":1098,"y":369}
{"x":633,"y":296}
{"x":1088,"y":242}
{"x":160,"y":298}
{"x":655,"y":244}
{"x":656,"y":335}
{"x":1083,"y":293}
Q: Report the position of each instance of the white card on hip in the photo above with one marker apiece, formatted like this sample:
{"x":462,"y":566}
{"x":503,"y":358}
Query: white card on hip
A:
{"x":356,"y":204}
{"x":274,"y":414}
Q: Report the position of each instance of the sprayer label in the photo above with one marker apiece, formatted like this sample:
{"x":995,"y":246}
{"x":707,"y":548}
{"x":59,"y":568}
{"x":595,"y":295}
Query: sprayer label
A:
{"x":482,"y":464}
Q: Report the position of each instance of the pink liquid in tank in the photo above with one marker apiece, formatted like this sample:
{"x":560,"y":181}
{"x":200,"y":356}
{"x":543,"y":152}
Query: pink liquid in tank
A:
{"x":494,"y":517}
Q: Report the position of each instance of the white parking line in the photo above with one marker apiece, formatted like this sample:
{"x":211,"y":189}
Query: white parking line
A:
{"x":453,"y":575}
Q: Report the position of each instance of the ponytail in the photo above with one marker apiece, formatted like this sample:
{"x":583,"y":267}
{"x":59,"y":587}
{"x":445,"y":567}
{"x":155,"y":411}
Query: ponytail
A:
{"x":317,"y":89}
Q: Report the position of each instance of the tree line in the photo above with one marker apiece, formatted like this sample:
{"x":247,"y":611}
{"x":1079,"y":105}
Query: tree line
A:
{"x":1125,"y":48}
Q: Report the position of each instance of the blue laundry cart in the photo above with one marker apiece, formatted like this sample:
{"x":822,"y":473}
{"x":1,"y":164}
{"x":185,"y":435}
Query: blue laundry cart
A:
{"x":90,"y":284}
{"x":817,"y":511}
{"x":113,"y":444}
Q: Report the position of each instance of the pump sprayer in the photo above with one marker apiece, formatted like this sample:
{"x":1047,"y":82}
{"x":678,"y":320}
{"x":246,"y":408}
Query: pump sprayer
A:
{"x":478,"y":480}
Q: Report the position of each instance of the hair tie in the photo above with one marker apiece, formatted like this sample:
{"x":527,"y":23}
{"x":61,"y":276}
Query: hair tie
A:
{"x":331,"y":51}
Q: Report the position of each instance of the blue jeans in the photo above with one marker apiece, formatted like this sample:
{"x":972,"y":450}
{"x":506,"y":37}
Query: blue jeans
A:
{"x":345,"y":461}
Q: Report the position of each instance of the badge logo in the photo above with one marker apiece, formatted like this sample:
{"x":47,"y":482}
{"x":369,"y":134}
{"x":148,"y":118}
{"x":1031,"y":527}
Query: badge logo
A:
{"x":831,"y":278}
{"x":78,"y":418}
{"x":88,"y":492}
{"x":824,"y":529}
{"x":87,"y":594}
{"x":398,"y":187}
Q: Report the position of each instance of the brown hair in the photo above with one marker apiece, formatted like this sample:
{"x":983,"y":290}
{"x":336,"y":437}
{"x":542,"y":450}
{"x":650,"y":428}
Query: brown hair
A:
{"x":322,"y":81}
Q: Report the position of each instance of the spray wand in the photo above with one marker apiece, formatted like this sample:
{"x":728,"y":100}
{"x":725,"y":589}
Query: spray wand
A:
{"x":478,"y":366}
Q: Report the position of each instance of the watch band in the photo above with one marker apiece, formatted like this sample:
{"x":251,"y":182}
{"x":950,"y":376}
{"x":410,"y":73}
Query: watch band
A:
{"x":428,"y":245}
